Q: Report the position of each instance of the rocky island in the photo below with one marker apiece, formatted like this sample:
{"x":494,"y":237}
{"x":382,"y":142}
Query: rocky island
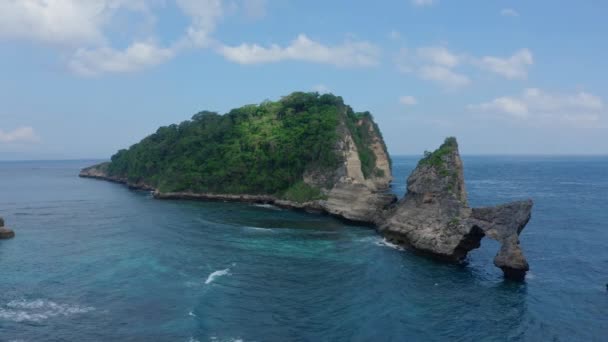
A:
{"x":312,"y":152}
{"x":5,"y":232}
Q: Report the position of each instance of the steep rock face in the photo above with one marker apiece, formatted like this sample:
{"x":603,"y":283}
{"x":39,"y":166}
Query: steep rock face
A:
{"x":353,"y":196}
{"x":433,"y":217}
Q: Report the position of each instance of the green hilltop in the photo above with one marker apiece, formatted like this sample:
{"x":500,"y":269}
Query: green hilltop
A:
{"x":255,"y":149}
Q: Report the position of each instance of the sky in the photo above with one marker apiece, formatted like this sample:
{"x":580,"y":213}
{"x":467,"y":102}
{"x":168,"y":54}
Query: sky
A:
{"x":84,"y":78}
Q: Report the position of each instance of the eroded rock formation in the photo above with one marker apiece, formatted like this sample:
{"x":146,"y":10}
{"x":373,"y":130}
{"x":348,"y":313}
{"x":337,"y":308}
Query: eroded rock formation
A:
{"x":5,"y":233}
{"x":434,"y":217}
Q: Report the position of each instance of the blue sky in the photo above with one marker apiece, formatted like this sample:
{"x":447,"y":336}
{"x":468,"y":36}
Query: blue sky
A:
{"x":84,"y":78}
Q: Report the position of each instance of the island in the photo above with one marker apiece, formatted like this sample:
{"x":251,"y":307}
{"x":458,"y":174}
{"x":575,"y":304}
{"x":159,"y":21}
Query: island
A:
{"x":311,"y":151}
{"x":5,"y":232}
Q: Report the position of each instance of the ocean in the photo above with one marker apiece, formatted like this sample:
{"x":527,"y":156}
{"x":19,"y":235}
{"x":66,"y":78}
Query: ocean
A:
{"x":94,"y":261}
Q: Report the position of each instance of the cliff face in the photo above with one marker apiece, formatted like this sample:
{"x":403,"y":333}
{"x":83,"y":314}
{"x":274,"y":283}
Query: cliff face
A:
{"x":434,"y":217}
{"x":354,"y":196}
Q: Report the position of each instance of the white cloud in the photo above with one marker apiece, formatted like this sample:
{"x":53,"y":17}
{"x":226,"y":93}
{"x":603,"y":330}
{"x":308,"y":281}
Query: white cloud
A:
{"x":433,"y":63}
{"x":78,"y":26}
{"x":65,"y":22}
{"x":23,"y":134}
{"x":408,"y":100}
{"x":205,"y":15}
{"x":421,"y":3}
{"x":139,"y":55}
{"x":348,"y":54}
{"x":507,"y":105}
{"x":444,"y":76}
{"x":509,"y":12}
{"x":438,"y":55}
{"x":536,"y":104}
{"x":513,"y":67}
{"x":439,"y":64}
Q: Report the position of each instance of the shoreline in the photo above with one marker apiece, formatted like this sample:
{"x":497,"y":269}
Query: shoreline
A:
{"x":313,"y":207}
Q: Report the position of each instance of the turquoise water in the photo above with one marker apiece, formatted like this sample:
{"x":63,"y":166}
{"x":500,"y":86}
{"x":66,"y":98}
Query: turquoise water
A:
{"x":94,"y":261}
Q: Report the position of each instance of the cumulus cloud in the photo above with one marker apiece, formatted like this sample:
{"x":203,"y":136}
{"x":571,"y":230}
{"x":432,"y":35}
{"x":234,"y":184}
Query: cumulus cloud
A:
{"x":444,"y":76}
{"x":25,"y":134}
{"x":348,"y":54}
{"x":62,"y":22}
{"x":78,"y":25}
{"x":205,"y":15}
{"x":439,"y":64}
{"x":536,"y":104}
{"x":408,"y":100}
{"x":513,"y":67}
{"x":509,"y":12}
{"x":438,"y":55}
{"x":433,"y":63}
{"x":422,"y":3}
{"x":139,"y":55}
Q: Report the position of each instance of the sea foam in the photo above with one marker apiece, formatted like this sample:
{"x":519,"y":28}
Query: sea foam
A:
{"x":38,"y":310}
{"x":216,"y":274}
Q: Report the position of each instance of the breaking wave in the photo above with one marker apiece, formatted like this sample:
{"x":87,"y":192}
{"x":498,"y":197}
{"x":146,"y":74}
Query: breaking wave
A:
{"x":38,"y":310}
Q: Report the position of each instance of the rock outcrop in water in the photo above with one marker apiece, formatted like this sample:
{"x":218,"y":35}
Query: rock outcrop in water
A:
{"x":5,"y":233}
{"x":434,"y":217}
{"x":348,"y":176}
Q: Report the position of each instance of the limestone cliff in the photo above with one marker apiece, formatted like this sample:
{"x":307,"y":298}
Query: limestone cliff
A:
{"x":434,"y":217}
{"x":354,"y":196}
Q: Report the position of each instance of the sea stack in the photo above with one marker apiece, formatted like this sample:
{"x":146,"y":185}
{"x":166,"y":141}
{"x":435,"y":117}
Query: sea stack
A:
{"x":434,"y":217}
{"x":5,"y":233}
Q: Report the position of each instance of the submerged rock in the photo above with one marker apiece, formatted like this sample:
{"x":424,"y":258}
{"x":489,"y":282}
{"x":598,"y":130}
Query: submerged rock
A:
{"x":434,"y":217}
{"x":5,"y":233}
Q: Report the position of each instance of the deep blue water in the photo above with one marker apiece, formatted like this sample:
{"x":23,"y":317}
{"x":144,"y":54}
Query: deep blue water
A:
{"x":94,"y":261}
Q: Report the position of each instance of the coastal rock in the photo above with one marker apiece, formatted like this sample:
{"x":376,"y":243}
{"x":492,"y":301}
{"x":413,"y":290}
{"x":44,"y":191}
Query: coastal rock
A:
{"x":504,"y":223}
{"x":355,"y":197}
{"x":357,"y":202}
{"x":434,"y":217}
{"x":5,"y":233}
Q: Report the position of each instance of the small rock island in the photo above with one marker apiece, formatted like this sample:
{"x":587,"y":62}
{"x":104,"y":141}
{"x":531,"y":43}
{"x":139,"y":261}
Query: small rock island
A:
{"x":312,"y":152}
{"x":5,"y":232}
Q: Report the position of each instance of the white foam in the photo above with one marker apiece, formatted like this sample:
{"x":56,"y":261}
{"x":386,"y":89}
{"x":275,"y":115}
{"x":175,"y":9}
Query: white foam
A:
{"x":192,"y":314}
{"x":38,"y":310}
{"x":216,"y":274}
{"x":386,"y":243}
{"x":267,"y":206}
{"x":259,"y":228}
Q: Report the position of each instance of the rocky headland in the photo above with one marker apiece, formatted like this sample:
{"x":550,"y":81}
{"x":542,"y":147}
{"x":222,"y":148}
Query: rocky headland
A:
{"x":433,"y":217}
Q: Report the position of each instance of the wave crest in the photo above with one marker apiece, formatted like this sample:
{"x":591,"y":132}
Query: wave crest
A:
{"x":38,"y":310}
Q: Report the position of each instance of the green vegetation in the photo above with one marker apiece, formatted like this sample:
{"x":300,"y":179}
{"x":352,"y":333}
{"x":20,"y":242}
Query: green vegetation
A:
{"x":256,"y":149}
{"x":454,"y":221}
{"x":301,"y":192}
{"x":435,"y":158}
